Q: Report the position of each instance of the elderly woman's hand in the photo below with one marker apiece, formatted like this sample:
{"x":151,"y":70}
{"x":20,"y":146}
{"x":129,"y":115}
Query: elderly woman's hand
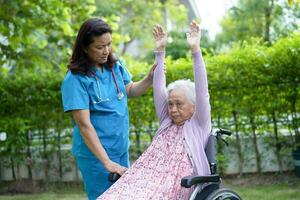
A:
{"x":193,"y":37}
{"x":161,"y":38}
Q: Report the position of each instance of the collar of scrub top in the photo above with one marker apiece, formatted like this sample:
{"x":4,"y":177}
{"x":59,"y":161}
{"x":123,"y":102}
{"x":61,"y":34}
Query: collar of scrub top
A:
{"x":120,"y":93}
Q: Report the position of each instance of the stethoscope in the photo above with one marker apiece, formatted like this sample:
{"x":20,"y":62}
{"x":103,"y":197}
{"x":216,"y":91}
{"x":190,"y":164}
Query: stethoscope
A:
{"x":100,"y":100}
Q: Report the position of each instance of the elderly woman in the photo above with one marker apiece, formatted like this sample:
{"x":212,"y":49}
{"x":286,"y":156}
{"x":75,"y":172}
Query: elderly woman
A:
{"x":178,"y":149}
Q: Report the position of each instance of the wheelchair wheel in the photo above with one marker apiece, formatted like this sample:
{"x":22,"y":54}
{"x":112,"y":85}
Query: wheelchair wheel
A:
{"x":223,"y":194}
{"x":202,"y":193}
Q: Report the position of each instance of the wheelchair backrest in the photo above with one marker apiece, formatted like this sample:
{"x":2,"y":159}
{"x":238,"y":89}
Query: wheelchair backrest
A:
{"x":210,"y":151}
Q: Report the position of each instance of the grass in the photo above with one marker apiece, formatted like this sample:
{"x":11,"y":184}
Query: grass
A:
{"x":270,"y":186}
{"x":46,"y":196}
{"x":250,"y":187}
{"x":269,"y":192}
{"x":59,"y":191}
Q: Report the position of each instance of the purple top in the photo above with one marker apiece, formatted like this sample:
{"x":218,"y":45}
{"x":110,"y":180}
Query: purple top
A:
{"x":195,"y":130}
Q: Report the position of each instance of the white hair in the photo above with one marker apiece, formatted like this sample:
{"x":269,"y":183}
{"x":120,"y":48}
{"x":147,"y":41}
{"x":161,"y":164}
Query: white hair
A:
{"x":187,"y":86}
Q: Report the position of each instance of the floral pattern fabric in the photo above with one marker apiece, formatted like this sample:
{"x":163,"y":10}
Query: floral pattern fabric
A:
{"x":157,"y":173}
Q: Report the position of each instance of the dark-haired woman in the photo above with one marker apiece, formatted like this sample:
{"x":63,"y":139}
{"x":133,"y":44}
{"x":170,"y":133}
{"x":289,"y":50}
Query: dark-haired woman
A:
{"x":95,"y":90}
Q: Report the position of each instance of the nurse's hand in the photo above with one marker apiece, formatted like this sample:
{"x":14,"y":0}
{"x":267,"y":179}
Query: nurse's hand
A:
{"x":151,"y":72}
{"x":115,"y":168}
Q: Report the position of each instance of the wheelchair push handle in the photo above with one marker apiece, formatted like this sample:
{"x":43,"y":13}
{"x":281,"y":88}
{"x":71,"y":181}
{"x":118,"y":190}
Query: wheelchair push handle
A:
{"x":221,"y":131}
{"x":113,"y":177}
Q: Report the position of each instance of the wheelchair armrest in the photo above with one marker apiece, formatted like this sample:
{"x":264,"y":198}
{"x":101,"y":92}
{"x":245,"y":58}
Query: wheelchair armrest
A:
{"x":189,"y":181}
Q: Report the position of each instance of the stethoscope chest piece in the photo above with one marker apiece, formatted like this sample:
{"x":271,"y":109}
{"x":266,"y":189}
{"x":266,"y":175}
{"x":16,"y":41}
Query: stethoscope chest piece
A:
{"x":120,"y":95}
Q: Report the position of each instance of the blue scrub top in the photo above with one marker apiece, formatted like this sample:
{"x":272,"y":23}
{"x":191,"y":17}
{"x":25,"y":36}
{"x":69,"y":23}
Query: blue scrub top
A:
{"x":108,"y":114}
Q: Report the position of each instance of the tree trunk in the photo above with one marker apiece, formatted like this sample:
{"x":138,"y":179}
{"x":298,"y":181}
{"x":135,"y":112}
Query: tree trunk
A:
{"x":76,"y":172}
{"x":0,"y":172}
{"x":125,"y":46}
{"x":277,"y":143}
{"x":59,"y":157}
{"x":294,"y":116}
{"x":165,"y":14}
{"x":257,"y":155}
{"x":18,"y":171}
{"x":12,"y":166}
{"x":137,"y":137}
{"x":45,"y":156}
{"x":238,"y":143}
{"x":137,"y":142}
{"x":58,"y":143}
{"x":150,"y":131}
{"x":29,"y":156}
{"x":268,"y":20}
{"x":220,"y":151}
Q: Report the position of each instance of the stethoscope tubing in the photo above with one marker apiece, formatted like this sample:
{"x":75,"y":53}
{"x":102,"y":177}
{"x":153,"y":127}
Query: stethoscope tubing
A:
{"x":120,"y":94}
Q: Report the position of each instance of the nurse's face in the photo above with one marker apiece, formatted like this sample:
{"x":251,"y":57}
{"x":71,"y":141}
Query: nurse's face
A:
{"x":99,"y":49}
{"x":179,"y":107}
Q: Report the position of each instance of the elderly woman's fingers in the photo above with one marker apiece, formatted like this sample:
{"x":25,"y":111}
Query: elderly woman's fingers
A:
{"x":158,"y":31}
{"x":155,"y":32}
{"x":161,"y":30}
{"x":194,"y":26}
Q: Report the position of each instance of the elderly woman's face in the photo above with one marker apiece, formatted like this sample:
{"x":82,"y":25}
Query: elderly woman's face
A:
{"x":179,"y":107}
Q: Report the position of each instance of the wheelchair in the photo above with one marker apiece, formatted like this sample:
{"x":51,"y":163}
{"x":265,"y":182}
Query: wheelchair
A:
{"x":209,"y":187}
{"x":205,"y":187}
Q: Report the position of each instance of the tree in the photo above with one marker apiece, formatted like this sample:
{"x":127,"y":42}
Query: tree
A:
{"x":266,"y":20}
{"x":40,"y":34}
{"x":134,"y":20}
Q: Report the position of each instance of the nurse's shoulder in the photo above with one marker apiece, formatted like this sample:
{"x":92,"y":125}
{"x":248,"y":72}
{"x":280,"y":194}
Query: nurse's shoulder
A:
{"x":73,"y":79}
{"x":119,"y":65}
{"x":125,"y":74}
{"x":74,"y":92}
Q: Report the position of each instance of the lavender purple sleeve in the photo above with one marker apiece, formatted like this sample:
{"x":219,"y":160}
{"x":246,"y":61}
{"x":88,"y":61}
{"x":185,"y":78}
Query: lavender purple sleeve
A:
{"x":159,"y":87}
{"x":202,"y":112}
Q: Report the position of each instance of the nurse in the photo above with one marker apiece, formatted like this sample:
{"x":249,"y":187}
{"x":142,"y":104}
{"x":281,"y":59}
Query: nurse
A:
{"x":95,"y":89}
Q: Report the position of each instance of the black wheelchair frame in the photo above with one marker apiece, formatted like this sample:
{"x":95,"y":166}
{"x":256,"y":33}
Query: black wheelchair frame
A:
{"x":209,"y":187}
{"x":205,"y":187}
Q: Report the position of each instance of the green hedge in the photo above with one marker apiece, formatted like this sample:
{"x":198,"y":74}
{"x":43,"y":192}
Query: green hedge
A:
{"x":254,"y":91}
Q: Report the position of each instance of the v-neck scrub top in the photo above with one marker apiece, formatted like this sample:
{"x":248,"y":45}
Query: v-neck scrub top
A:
{"x":108,"y":114}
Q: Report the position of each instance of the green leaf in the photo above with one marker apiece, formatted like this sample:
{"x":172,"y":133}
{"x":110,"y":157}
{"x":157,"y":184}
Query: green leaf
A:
{"x":67,"y":29}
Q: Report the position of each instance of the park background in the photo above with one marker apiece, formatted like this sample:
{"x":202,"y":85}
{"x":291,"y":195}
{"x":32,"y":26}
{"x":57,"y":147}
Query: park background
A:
{"x":253,"y":67}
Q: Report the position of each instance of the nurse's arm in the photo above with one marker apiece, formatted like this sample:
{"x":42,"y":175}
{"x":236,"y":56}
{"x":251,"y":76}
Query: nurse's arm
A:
{"x":135,"y":89}
{"x":88,"y":132}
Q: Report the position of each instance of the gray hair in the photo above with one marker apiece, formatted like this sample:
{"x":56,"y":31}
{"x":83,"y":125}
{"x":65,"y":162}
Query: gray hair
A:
{"x":187,"y":86}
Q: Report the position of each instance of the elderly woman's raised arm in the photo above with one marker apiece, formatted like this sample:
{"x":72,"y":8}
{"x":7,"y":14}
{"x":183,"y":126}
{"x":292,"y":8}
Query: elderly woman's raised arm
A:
{"x":202,"y":107}
{"x":159,"y":77}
